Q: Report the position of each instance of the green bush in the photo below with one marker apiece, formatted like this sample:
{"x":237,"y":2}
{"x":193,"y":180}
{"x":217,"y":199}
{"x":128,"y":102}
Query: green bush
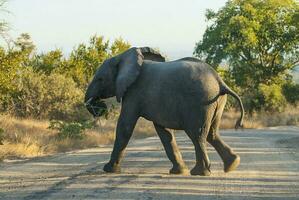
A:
{"x":41,"y":96}
{"x":272,"y":98}
{"x":291,"y":92}
{"x":72,"y":130}
{"x":50,"y":85}
{"x":252,"y":100}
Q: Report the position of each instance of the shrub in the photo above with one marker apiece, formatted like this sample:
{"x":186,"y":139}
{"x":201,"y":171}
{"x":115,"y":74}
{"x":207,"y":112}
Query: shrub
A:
{"x":41,"y":96}
{"x":72,"y":130}
{"x":272,"y":97}
{"x":291,"y":92}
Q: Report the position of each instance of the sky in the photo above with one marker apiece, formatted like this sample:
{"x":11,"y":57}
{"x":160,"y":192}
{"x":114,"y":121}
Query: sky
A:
{"x":172,"y":26}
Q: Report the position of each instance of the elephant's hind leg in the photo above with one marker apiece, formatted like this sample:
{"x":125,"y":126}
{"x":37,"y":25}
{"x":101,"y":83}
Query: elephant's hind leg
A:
{"x":202,"y":166}
{"x":230,"y":159}
{"x":172,"y":150}
{"x":199,"y":138}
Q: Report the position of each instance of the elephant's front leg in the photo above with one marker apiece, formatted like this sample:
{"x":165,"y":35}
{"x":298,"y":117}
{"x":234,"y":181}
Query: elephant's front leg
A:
{"x":124,"y":130}
{"x":230,"y":159}
{"x":172,"y":150}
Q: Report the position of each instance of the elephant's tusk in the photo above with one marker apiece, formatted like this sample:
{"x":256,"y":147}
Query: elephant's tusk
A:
{"x":87,"y":103}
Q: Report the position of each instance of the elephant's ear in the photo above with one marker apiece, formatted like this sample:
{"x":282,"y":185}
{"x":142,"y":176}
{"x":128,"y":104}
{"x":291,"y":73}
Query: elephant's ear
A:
{"x":151,"y":54}
{"x":128,"y":70}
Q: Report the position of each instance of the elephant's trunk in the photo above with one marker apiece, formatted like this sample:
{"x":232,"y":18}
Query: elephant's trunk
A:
{"x":94,"y":104}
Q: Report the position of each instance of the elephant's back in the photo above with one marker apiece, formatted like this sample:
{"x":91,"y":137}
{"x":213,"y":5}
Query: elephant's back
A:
{"x":182,"y":78}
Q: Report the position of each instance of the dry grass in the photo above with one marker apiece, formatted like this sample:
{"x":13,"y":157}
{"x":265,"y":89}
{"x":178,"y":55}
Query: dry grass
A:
{"x":229,"y":120}
{"x":24,"y":138}
{"x":289,"y":117}
{"x":31,"y":138}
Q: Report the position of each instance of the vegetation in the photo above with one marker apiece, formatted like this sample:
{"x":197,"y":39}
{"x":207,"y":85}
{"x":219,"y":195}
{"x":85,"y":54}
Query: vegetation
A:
{"x":253,"y":44}
{"x":38,"y":87}
{"x":25,"y":137}
{"x":72,"y":130}
{"x":31,"y":137}
{"x":3,"y":23}
{"x":259,"y":41}
{"x":49,"y":85}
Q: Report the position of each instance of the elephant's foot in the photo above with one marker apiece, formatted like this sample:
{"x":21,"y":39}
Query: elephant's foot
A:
{"x":200,"y":171}
{"x":232,"y":163}
{"x":183,"y":170}
{"x":111,"y":168}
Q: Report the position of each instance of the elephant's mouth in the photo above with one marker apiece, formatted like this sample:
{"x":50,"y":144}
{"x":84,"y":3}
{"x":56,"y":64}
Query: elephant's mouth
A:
{"x":96,"y":106}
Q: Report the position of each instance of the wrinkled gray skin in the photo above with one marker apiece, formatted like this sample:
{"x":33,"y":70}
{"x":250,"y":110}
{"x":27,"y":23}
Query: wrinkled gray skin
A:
{"x":184,"y":94}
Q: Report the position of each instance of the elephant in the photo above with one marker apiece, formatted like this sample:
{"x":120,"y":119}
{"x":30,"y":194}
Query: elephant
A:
{"x":185,"y":94}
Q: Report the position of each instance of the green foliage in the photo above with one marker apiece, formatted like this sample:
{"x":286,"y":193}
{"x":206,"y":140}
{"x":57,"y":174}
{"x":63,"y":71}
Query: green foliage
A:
{"x":85,"y":59}
{"x":258,"y":39}
{"x":48,"y":62}
{"x":25,"y":47}
{"x":72,"y":130}
{"x":40,"y":96}
{"x":1,"y":136}
{"x":119,"y":46}
{"x":291,"y":92}
{"x":49,"y":85}
{"x":272,"y":97}
{"x":11,"y":62}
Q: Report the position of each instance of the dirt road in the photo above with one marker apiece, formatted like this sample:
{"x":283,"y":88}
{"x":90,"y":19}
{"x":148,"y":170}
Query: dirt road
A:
{"x":268,"y":170}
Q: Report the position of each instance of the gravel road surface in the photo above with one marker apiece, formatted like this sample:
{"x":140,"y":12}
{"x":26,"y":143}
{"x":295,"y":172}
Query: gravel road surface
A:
{"x":269,"y":169}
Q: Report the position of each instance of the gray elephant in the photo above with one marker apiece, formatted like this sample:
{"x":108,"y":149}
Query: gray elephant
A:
{"x":185,"y":94}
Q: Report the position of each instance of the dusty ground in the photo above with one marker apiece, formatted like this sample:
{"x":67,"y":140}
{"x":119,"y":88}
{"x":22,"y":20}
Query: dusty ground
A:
{"x":269,"y":170}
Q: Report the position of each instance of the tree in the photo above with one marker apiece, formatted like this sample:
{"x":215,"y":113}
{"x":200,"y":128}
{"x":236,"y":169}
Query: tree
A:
{"x":85,"y":59}
{"x":291,"y":92}
{"x":11,"y":63}
{"x":119,"y":46}
{"x":3,"y":23}
{"x":50,"y":85}
{"x":48,"y":62}
{"x":4,"y":26}
{"x":257,"y":38}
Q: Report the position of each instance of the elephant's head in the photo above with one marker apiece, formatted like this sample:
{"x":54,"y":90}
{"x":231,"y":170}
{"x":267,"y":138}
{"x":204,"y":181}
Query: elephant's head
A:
{"x":115,"y":76}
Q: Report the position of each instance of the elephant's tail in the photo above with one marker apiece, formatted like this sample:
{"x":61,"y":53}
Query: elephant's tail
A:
{"x":227,"y":90}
